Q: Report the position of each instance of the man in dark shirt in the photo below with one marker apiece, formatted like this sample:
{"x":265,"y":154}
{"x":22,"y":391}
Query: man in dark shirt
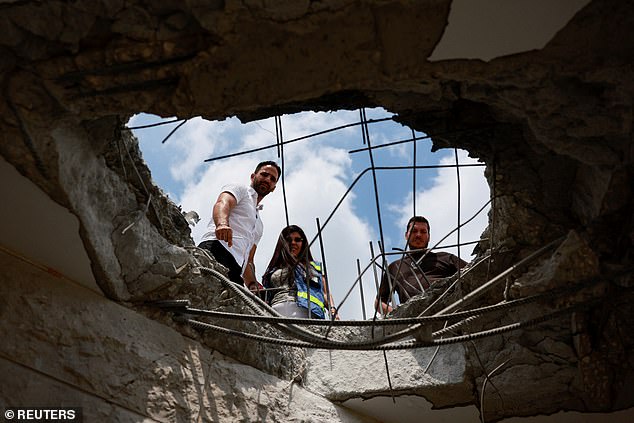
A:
{"x":417,"y":270}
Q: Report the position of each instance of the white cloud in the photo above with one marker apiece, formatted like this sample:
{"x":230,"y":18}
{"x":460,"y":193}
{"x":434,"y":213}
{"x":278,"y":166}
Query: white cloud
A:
{"x":401,"y":151}
{"x":195,"y":141}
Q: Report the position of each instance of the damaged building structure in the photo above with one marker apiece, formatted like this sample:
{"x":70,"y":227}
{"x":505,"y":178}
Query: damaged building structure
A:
{"x":542,"y":92}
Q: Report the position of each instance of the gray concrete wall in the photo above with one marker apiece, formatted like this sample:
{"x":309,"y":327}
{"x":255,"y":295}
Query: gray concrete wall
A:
{"x":64,"y":345}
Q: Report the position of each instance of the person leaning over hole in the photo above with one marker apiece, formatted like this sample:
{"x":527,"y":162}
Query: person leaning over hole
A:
{"x":418,"y":269}
{"x":292,"y":275}
{"x":236,"y":228}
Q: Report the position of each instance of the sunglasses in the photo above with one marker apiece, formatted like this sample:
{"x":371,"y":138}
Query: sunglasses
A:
{"x":296,"y":239}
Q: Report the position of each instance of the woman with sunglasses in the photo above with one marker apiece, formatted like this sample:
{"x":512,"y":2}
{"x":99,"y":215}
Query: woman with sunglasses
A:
{"x":292,"y":277}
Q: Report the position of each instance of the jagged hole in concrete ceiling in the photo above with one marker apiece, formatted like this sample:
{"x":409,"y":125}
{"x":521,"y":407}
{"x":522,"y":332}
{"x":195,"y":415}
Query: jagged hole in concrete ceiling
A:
{"x":319,"y":172}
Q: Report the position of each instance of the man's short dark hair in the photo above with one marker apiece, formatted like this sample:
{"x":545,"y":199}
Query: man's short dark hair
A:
{"x":414,"y":219}
{"x":269,"y":163}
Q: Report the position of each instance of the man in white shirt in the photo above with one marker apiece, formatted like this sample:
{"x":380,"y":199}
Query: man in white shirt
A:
{"x":236,"y":228}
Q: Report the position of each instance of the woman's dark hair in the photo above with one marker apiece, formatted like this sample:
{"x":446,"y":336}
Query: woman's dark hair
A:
{"x":282,"y":257}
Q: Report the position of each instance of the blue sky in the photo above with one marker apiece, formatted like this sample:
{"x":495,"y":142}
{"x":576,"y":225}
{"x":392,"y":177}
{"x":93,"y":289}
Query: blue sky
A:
{"x":318,"y":171}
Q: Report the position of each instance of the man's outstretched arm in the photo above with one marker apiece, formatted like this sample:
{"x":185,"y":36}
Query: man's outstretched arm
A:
{"x":222,"y":209}
{"x":249,"y":272}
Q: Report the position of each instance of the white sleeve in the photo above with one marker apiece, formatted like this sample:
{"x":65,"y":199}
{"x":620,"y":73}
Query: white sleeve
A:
{"x":238,"y":191}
